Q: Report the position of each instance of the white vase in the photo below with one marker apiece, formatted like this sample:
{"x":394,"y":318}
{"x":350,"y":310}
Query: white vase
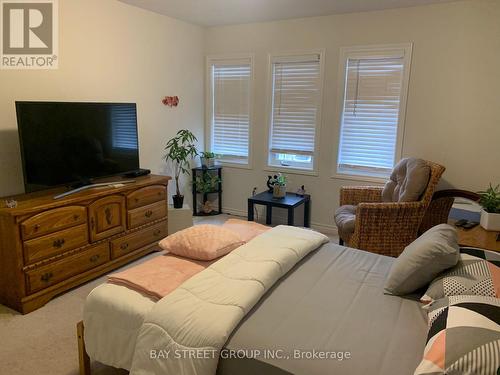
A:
{"x":207,"y":162}
{"x":279,"y":191}
{"x":490,"y":221}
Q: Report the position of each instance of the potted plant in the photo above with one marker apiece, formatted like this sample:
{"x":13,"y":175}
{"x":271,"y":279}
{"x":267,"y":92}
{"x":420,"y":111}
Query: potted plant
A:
{"x":204,"y":184}
{"x":279,"y":185}
{"x":490,"y":214}
{"x":207,"y":159}
{"x":180,"y":150}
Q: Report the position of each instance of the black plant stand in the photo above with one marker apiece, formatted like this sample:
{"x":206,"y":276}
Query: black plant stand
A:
{"x":201,"y":172}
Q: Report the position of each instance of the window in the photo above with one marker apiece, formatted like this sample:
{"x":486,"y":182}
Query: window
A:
{"x":229,"y":108}
{"x":296,"y":95}
{"x":372,"y":118}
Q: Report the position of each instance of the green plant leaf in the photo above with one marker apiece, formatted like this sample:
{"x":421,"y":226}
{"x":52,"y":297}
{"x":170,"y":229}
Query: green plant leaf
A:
{"x":180,"y":150}
{"x":490,"y":199}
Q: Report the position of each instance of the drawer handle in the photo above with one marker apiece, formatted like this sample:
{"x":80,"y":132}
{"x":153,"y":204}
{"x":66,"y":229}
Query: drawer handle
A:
{"x":124,"y":246}
{"x":58,"y":243}
{"x":157,"y":232}
{"x":36,"y":227}
{"x":94,"y":258}
{"x":136,"y":200}
{"x":148,"y":213}
{"x":76,"y":217}
{"x":46,"y":277}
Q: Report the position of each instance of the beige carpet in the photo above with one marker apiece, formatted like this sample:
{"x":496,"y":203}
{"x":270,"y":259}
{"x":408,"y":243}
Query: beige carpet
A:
{"x":44,"y":341}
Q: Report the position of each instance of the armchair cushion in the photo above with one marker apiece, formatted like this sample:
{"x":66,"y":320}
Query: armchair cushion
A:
{"x":407,"y":182}
{"x":345,"y":218}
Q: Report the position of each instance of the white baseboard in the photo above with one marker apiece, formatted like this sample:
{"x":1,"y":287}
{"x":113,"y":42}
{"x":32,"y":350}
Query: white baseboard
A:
{"x":234,"y":211}
{"x":323,"y":228}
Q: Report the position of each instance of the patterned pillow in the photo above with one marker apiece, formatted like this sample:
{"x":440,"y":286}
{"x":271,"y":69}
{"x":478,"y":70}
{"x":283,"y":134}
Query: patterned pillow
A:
{"x":464,"y":337}
{"x":476,"y":273}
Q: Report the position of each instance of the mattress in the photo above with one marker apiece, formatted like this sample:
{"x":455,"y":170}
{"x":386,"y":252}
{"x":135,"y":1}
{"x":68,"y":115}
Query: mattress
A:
{"x":330,"y":305}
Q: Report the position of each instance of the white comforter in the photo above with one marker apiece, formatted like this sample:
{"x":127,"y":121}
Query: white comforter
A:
{"x":113,"y":316}
{"x":185,"y":330}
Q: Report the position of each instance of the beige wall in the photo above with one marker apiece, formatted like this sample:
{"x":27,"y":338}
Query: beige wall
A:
{"x":453,"y":112}
{"x":110,"y":51}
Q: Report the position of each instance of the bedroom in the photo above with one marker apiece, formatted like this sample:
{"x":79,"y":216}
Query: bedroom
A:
{"x":144,"y":51}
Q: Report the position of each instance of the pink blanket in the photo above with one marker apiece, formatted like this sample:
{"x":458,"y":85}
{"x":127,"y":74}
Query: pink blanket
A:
{"x":159,"y":276}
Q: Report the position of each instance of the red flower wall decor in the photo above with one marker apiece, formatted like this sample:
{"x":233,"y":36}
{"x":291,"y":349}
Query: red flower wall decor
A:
{"x":171,"y":101}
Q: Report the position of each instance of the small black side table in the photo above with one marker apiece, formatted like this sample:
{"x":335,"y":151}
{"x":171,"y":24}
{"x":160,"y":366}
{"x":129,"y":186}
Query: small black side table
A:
{"x":200,"y":171}
{"x":290,"y":202}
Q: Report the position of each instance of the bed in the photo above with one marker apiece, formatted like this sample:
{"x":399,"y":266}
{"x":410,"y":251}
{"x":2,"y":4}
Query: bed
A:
{"x":331,"y":304}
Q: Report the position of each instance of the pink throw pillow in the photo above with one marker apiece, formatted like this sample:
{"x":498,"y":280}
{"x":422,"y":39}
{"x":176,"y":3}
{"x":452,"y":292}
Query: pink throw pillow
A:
{"x":246,"y":229}
{"x":202,"y":242}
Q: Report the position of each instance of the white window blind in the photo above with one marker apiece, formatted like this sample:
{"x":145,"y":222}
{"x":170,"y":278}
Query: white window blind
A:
{"x":296,"y":99}
{"x":124,"y":126}
{"x":373,"y":95}
{"x":231,"y":109}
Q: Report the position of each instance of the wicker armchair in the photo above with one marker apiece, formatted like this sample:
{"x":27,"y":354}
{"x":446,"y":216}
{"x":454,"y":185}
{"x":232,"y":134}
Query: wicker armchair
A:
{"x":386,"y":228}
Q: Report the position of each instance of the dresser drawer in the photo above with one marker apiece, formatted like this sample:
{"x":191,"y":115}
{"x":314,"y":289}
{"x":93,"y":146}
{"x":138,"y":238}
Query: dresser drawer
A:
{"x":146,"y":195}
{"x":134,"y":241}
{"x":52,"y":221}
{"x":146,"y":214}
{"x":55,"y":243}
{"x":63,"y":269}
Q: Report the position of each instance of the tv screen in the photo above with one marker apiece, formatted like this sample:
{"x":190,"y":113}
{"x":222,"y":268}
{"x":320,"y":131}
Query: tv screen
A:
{"x":67,"y":143}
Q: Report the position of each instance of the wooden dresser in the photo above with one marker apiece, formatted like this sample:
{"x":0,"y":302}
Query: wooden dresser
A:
{"x":48,"y":246}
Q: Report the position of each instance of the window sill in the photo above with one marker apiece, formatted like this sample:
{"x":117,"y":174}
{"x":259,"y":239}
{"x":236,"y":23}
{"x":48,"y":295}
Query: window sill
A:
{"x":291,"y":170}
{"x":229,"y":164}
{"x":361,"y":178}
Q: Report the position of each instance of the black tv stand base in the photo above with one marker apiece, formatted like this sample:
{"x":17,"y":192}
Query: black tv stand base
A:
{"x":80,"y":183}
{"x":137,"y":173}
{"x":91,"y":186}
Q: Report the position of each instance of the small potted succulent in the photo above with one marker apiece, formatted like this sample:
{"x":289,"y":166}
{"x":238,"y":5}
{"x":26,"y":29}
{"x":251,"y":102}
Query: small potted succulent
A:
{"x":207,"y":159}
{"x":180,"y":150}
{"x":490,"y":214}
{"x":279,"y":185}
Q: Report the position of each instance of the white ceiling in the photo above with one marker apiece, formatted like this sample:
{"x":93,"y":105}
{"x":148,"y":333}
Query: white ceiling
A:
{"x":224,"y":12}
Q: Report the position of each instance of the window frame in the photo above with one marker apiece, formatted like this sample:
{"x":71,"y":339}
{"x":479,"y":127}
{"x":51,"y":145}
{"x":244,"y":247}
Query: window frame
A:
{"x":269,"y":111}
{"x":228,"y":59}
{"x":371,"y":51}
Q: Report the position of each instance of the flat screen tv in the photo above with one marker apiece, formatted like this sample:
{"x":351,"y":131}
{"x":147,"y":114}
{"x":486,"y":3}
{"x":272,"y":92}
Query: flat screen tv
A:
{"x":74,"y":143}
